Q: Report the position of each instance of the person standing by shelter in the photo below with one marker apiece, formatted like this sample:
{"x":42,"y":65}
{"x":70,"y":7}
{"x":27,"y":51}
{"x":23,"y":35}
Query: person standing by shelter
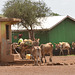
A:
{"x":20,"y":39}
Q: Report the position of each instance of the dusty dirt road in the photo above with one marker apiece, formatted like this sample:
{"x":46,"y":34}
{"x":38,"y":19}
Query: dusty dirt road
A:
{"x":43,"y":70}
{"x":37,"y":70}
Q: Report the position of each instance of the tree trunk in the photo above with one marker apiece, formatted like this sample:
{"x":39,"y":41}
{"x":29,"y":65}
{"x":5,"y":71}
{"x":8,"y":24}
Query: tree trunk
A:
{"x":31,"y":35}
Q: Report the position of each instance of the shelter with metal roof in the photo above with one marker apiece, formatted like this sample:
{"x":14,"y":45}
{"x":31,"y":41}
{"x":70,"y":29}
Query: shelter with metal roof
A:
{"x":6,"y":38}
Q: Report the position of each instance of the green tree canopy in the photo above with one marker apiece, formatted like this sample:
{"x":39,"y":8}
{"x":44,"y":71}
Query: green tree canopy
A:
{"x":28,"y":11}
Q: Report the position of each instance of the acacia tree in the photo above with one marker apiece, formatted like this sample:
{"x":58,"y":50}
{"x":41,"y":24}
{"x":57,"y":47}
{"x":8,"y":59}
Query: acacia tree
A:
{"x":28,"y":11}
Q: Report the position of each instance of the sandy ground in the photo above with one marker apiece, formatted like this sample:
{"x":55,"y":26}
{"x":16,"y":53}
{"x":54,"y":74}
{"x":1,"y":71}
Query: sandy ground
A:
{"x":67,"y":69}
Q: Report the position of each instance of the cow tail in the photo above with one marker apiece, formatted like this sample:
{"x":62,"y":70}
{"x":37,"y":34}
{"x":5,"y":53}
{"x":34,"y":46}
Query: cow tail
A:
{"x":41,"y":46}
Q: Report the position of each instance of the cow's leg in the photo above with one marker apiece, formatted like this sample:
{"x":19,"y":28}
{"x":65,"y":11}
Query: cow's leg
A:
{"x":41,"y":59}
{"x":44,"y":58}
{"x":40,"y":56}
{"x":37,"y":57}
{"x":22,"y":53}
{"x":61,"y":51}
{"x":35,"y":61}
{"x":68,"y":52}
{"x":51,"y":54}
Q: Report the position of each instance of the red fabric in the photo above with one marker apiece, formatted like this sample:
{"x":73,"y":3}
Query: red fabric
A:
{"x":20,"y":35}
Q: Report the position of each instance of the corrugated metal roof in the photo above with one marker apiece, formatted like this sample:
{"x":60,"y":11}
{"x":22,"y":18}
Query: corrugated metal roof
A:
{"x":46,"y":23}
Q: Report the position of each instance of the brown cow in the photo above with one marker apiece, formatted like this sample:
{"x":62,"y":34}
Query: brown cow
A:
{"x":36,"y":42}
{"x":36,"y":53}
{"x":46,"y":49}
{"x":57,"y":46}
{"x":73,"y":45}
{"x":63,"y":46}
{"x":28,"y":45}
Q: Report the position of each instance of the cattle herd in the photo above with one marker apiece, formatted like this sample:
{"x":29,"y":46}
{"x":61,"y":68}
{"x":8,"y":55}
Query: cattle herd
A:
{"x":39,"y":52}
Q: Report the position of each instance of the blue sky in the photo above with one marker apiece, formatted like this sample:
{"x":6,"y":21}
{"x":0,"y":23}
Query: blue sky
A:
{"x":62,"y":7}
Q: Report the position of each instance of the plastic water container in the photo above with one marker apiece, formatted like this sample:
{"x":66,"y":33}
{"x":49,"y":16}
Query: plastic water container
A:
{"x":28,"y":56}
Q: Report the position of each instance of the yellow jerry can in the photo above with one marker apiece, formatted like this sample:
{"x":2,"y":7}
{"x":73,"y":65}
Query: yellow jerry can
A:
{"x":28,"y":56}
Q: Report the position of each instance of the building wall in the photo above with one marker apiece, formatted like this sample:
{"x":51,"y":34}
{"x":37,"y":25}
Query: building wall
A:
{"x":15,"y":35}
{"x":3,"y":40}
{"x":65,"y":31}
{"x":42,"y":35}
{"x":5,"y":46}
